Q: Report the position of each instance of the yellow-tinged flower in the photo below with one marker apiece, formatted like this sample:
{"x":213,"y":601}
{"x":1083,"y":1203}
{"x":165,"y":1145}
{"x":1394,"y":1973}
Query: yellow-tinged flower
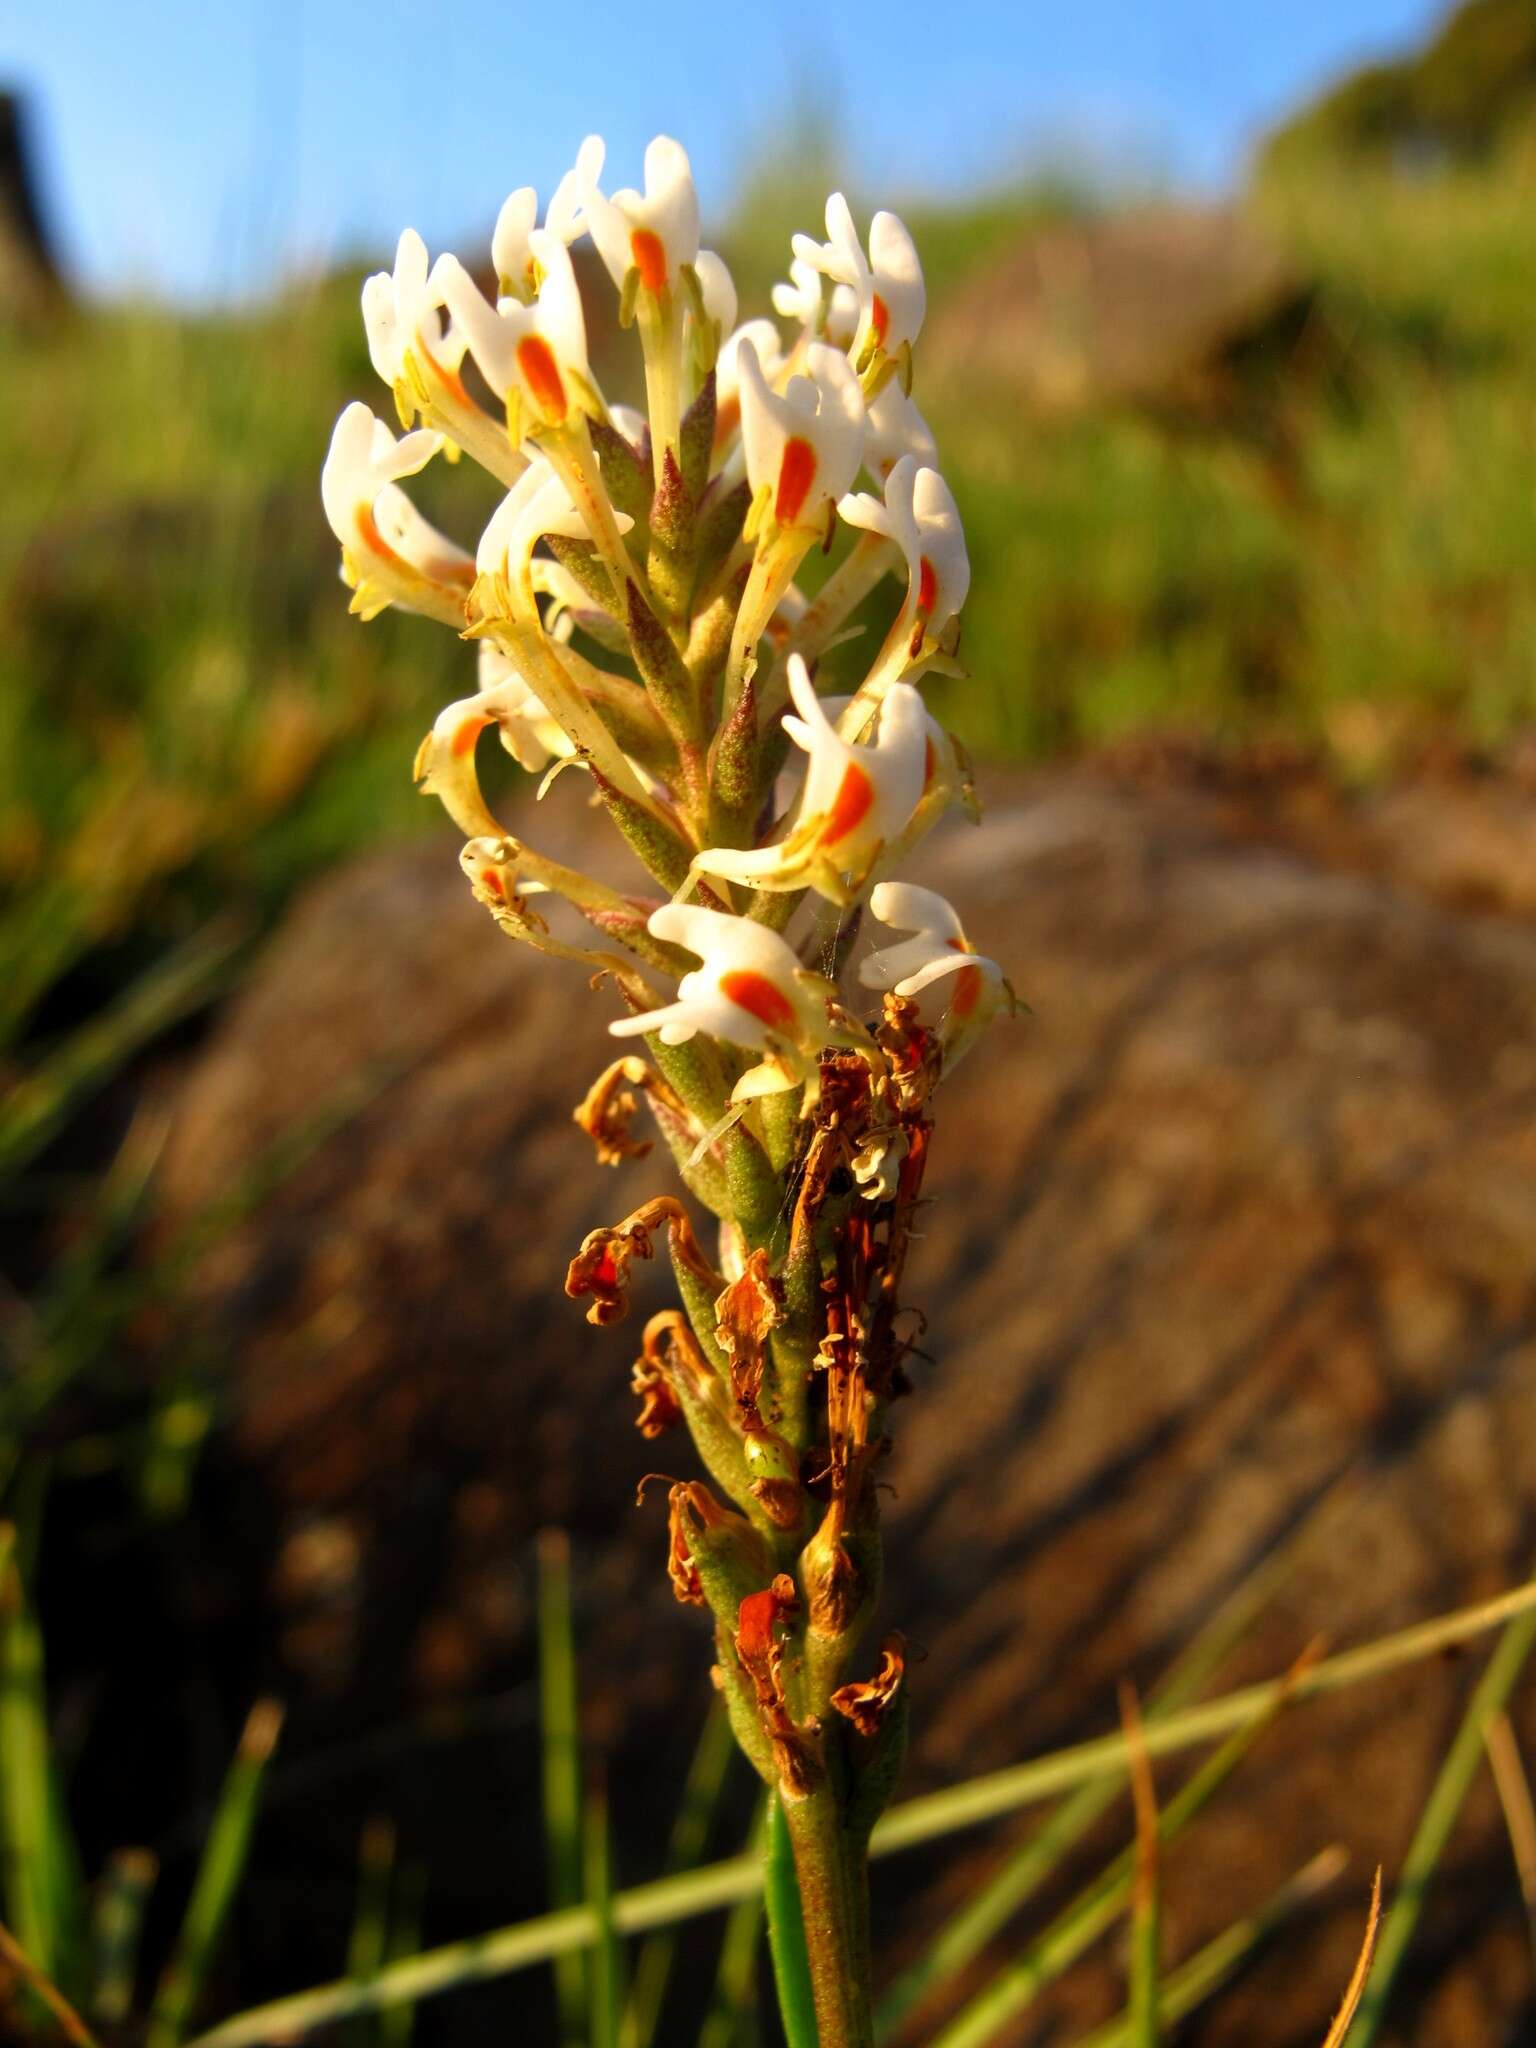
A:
{"x":919,"y":513}
{"x":390,"y":554}
{"x":937,"y":967}
{"x":803,"y":445}
{"x":445,"y":761}
{"x":857,"y":798}
{"x":537,"y":352}
{"x":887,"y":283}
{"x":896,"y":428}
{"x":512,"y":252}
{"x":538,"y":503}
{"x":652,"y":233}
{"x":749,"y":990}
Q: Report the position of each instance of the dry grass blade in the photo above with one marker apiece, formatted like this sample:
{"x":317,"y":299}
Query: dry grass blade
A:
{"x":1146,"y":1916}
{"x":1514,"y":1789}
{"x":68,"y":2021}
{"x":1344,"y":2018}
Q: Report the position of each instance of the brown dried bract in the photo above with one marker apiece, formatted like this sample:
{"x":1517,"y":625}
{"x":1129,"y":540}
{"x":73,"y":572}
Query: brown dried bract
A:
{"x":601,"y":1267}
{"x":608,"y":1109}
{"x":659,"y":1406}
{"x":745,"y":1315}
{"x":762,"y":1656}
{"x":867,"y":1702}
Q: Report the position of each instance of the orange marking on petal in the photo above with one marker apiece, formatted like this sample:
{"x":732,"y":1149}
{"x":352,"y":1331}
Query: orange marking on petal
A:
{"x":927,"y":587}
{"x":450,"y":380}
{"x":727,"y":419}
{"x":880,"y":319}
{"x":490,"y":882}
{"x":606,"y":1272}
{"x":469,"y":730}
{"x":967,"y":991}
{"x":758,"y":996}
{"x":368,"y":533}
{"x":797,"y":472}
{"x":650,"y":259}
{"x":855,"y":794}
{"x":541,"y":373}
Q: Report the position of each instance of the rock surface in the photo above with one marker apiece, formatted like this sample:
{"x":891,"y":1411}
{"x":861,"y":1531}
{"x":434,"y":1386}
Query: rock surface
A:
{"x":1232,"y":1239}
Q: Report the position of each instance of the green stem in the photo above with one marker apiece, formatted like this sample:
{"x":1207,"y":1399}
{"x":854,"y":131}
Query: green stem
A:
{"x":833,"y":1884}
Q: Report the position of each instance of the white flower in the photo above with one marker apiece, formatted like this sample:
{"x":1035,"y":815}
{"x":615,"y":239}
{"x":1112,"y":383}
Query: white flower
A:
{"x":750,"y":990}
{"x":937,"y":957}
{"x":803,"y":446}
{"x":400,"y":315}
{"x":654,"y":232}
{"x":896,"y":428}
{"x":857,"y":798}
{"x":538,"y":503}
{"x":768,"y":346}
{"x":390,"y":553}
{"x":538,"y":351}
{"x":510,"y":253}
{"x":919,"y":513}
{"x":511,"y":242}
{"x":445,"y":761}
{"x":800,"y":299}
{"x":717,"y":288}
{"x":887,"y":284}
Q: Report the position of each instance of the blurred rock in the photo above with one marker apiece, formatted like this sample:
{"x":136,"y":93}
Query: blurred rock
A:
{"x":1163,"y":306}
{"x":1237,"y":1222}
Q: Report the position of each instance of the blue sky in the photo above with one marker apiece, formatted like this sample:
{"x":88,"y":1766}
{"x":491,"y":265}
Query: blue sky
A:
{"x":194,"y":147}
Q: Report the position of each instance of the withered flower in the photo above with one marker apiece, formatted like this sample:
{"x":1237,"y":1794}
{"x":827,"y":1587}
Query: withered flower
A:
{"x":601,"y":1267}
{"x":866,"y":1702}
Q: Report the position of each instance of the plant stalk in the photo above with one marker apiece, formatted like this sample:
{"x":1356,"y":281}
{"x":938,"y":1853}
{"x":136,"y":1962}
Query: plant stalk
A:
{"x":833,"y":1878}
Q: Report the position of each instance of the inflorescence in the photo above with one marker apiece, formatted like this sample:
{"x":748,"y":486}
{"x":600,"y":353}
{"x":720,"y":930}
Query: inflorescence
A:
{"x":637,"y":617}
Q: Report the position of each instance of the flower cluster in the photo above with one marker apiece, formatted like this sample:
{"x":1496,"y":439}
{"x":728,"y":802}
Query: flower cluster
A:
{"x":638,"y":617}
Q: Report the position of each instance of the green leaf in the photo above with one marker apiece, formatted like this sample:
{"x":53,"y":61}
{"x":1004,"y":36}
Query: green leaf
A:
{"x":786,"y":1934}
{"x":219,"y":1874}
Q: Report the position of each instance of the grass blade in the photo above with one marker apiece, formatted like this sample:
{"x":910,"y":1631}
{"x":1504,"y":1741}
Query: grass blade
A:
{"x":1489,"y":1698}
{"x":786,"y":1934}
{"x":707,"y":1775}
{"x":605,"y":1987}
{"x":560,"y":1753}
{"x":666,"y":1900}
{"x":116,"y":1927}
{"x":1146,"y":1900}
{"x":219,"y":1872}
{"x":735,"y":1999}
{"x":47,"y":1993}
{"x":1220,"y":1960}
{"x":398,"y":2022}
{"x":369,"y":1939}
{"x":43,"y":1892}
{"x":1097,"y":1906}
{"x":968,"y":1930}
{"x":1514,"y":1789}
{"x":1343,"y":2019}
{"x":167,"y":993}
